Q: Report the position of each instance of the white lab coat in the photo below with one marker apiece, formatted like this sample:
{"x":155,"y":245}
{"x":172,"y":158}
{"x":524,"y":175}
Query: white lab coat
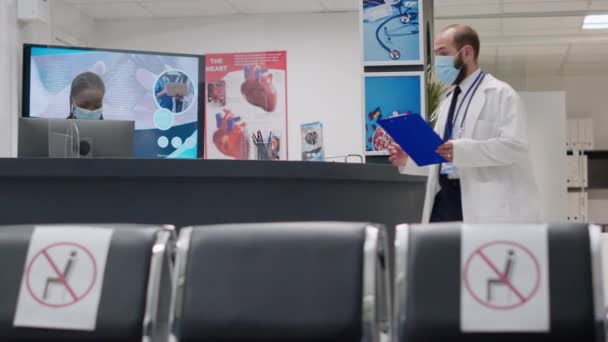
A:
{"x":496,"y":177}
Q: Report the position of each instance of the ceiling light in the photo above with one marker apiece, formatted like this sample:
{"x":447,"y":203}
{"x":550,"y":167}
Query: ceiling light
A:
{"x":596,"y":21}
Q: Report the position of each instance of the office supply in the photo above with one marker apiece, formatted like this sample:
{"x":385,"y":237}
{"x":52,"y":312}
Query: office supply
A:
{"x":266,"y":149}
{"x":415,"y":137}
{"x":263,"y":151}
{"x":95,"y":138}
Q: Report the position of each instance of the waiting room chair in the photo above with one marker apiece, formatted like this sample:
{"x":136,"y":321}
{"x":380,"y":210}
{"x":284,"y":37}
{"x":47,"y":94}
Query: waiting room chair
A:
{"x":135,"y":296}
{"x":286,"y":282}
{"x":428,"y":286}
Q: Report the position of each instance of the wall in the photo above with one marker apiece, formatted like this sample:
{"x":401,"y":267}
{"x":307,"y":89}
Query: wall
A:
{"x":598,"y":206}
{"x":323,"y":56}
{"x":67,"y":26}
{"x":585,"y":97}
{"x":9,"y":66}
{"x":546,"y":112}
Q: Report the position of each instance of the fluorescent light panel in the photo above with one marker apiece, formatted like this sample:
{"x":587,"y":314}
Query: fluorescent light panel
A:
{"x":595,"y":22}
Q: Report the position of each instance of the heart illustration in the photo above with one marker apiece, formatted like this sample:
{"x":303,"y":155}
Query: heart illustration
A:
{"x":231,"y":136}
{"x":258,"y":89}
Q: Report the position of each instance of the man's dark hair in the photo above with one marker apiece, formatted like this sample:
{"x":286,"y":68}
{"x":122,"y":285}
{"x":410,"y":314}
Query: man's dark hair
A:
{"x":86,"y":80}
{"x":465,"y":35}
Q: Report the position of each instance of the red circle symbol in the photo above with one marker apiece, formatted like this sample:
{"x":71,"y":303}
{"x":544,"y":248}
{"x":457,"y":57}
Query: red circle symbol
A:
{"x":481,"y":253}
{"x":44,"y":256}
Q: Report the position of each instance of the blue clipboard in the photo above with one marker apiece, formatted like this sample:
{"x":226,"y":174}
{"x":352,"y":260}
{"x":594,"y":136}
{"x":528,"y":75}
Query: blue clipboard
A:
{"x":416,"y":137}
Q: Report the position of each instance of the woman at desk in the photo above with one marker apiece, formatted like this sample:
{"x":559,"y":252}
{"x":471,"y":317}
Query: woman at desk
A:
{"x":86,"y":97}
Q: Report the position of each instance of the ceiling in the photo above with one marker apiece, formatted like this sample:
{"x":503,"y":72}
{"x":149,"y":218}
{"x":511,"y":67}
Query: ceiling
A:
{"x":123,"y":9}
{"x":521,"y":37}
{"x":532,"y":37}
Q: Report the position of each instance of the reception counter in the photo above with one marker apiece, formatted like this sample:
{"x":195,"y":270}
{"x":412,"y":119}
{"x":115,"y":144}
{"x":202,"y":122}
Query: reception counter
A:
{"x":194,"y":192}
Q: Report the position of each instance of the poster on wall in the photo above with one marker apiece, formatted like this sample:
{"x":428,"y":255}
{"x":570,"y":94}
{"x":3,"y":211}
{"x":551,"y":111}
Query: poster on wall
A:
{"x":391,"y":32}
{"x":312,"y":141}
{"x":246,"y":106}
{"x":388,"y":95}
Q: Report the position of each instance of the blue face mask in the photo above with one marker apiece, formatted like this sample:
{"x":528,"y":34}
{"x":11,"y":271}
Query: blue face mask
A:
{"x":445,"y":70}
{"x":85,"y":114}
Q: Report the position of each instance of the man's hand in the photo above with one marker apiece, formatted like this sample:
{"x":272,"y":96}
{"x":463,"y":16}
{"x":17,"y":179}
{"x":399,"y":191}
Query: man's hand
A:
{"x":447,"y":151}
{"x":397,"y":156}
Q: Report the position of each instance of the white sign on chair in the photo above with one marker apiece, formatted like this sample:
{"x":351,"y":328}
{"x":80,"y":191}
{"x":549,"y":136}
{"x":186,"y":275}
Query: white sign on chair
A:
{"x":63,"y":278}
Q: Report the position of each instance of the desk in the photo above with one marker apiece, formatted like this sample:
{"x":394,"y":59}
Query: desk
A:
{"x":194,"y":192}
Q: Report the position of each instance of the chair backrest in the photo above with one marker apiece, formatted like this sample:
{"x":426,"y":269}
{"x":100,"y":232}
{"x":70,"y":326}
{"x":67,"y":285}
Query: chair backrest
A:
{"x":281,"y":282}
{"x":135,"y":295}
{"x":430,"y":277}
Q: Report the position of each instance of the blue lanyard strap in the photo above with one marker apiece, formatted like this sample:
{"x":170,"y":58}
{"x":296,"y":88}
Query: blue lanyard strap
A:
{"x":466,"y":112}
{"x":473,"y":87}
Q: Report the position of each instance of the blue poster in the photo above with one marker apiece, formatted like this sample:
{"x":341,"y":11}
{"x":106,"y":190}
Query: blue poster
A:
{"x":391,"y":32}
{"x":388,"y":95}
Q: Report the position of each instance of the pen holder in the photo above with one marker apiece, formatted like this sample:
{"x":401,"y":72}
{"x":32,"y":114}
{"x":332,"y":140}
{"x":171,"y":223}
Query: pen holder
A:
{"x":263,"y":151}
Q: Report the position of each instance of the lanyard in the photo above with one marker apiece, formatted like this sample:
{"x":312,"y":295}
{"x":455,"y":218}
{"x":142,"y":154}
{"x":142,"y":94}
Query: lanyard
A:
{"x":474,"y":87}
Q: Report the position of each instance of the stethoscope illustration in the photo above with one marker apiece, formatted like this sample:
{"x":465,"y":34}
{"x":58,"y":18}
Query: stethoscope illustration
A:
{"x":408,"y":19}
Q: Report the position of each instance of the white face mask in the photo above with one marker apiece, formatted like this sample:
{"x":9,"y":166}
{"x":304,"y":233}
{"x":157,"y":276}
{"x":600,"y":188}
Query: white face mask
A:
{"x":85,"y":114}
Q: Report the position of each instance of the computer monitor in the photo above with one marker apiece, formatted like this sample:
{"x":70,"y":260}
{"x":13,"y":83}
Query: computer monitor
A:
{"x":96,"y":138}
{"x":159,"y":91}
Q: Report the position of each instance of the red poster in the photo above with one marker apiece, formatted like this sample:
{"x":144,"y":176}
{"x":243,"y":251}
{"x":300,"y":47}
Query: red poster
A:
{"x":246,"y":108}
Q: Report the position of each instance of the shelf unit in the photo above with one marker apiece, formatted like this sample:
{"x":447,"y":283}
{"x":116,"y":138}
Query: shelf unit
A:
{"x":587,"y":169}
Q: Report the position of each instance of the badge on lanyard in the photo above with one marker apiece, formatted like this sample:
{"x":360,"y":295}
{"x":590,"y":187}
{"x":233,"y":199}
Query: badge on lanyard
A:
{"x":449,"y":170}
{"x":459,"y":133}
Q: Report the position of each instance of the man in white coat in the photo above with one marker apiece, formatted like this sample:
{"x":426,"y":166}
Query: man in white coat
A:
{"x":488,"y":175}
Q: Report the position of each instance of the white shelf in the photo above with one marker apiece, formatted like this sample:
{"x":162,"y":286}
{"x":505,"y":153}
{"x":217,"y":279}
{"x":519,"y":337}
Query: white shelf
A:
{"x":580,"y":134}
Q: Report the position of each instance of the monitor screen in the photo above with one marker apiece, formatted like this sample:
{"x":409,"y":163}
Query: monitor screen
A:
{"x":158,"y":91}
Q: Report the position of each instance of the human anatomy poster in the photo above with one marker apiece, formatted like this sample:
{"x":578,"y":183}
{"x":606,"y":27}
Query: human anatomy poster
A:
{"x":391,"y":32}
{"x":388,"y":95}
{"x":246,"y":106}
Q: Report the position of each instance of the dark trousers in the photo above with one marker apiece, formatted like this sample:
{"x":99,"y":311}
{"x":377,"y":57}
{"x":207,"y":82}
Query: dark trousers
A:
{"x":448,"y":201}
